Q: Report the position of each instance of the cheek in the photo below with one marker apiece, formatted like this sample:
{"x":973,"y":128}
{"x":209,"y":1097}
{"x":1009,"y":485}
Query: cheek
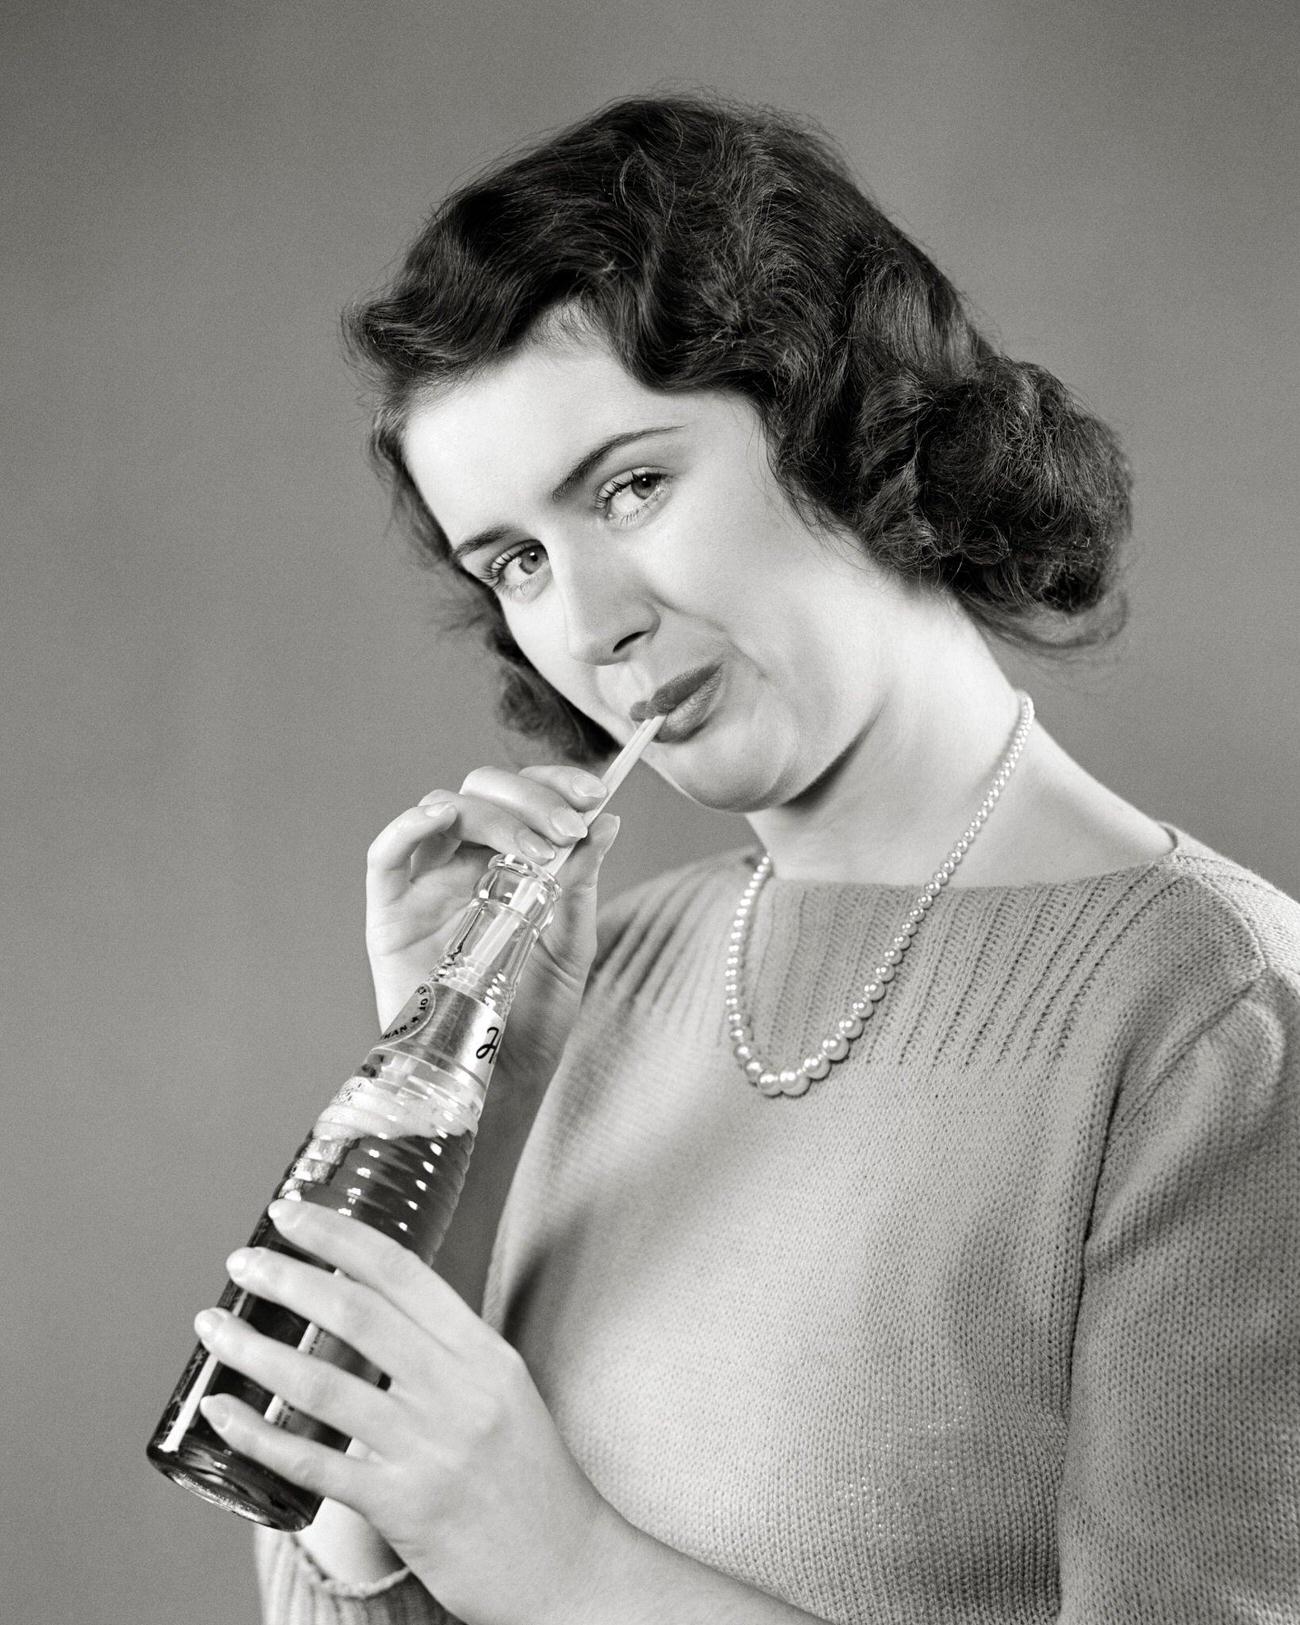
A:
{"x":545,"y":647}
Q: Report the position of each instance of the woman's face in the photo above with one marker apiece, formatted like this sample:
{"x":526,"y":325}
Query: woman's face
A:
{"x":634,"y":536}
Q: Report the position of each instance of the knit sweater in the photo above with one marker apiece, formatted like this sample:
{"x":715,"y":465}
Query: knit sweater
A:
{"x":999,"y":1322}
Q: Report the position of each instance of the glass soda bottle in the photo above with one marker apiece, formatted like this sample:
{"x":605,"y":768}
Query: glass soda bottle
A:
{"x":390,"y":1150}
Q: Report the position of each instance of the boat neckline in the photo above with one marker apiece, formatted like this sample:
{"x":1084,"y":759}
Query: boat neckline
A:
{"x":1183,"y":847}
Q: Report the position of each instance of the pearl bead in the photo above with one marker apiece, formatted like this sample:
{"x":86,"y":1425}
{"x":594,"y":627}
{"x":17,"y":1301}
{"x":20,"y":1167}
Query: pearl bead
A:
{"x":874,"y":991}
{"x":743,"y":1052}
{"x":892,"y":956}
{"x":767,"y":1081}
{"x":753,"y":1070}
{"x":884,"y":973}
{"x":816,"y":1066}
{"x":787,"y":1076}
{"x":835,"y":1048}
{"x":861,"y":1007}
{"x":850,"y":1026}
{"x":798,"y":1084}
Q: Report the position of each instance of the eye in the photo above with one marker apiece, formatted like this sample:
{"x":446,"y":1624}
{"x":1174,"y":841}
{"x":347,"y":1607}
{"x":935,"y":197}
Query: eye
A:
{"x":625,"y":499}
{"x":529,"y":556}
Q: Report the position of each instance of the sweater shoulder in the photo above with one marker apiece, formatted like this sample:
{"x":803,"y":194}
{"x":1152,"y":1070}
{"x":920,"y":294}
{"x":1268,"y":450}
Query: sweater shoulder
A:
{"x":1190,"y":940}
{"x":1205,"y":910}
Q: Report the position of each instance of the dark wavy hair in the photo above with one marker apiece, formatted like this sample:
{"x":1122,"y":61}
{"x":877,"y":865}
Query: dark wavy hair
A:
{"x":723,"y":246}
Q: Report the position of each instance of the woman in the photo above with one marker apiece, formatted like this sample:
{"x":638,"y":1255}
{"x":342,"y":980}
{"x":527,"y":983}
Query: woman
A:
{"x":881,"y":1248}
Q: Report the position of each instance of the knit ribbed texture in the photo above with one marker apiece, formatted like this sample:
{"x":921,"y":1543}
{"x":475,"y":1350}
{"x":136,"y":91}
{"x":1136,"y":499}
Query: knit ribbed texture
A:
{"x":293,"y":1588}
{"x":999,"y":1322}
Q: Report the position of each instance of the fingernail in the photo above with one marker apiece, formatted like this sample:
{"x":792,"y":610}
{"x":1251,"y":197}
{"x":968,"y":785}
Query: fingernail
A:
{"x":216,"y":1410}
{"x":533,"y":846}
{"x":571,"y":825}
{"x":439,"y":813}
{"x":586,"y":784}
{"x":238,"y":1263}
{"x":285,"y":1215}
{"x":206,"y":1323}
{"x":610,"y":832}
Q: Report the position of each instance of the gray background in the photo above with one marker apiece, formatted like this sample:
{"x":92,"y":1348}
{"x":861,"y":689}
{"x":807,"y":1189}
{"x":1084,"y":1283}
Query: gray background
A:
{"x":221,"y":677}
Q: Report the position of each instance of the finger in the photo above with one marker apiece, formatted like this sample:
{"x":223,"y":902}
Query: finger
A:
{"x":358,"y":1409}
{"x":582,"y":790}
{"x":582,"y":868}
{"x":315,"y":1467}
{"x":430,"y":829}
{"x":376,"y":1261}
{"x":354,"y":1313}
{"x":569,"y":942}
{"x":513,"y":822}
{"x":551,"y":808}
{"x":537,"y":805}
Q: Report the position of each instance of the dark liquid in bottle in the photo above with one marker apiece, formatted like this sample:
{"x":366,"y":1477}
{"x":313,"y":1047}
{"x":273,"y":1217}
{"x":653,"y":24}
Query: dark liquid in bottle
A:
{"x":407,"y":1187}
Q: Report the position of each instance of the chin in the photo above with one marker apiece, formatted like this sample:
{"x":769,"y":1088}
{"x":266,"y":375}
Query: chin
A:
{"x":720,"y":784}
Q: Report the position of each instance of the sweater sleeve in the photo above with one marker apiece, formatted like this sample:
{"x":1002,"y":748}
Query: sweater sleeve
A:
{"x":1180,"y":1499}
{"x":295,"y":1591}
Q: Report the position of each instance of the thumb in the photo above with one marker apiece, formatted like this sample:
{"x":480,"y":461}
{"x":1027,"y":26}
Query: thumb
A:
{"x":580,"y":871}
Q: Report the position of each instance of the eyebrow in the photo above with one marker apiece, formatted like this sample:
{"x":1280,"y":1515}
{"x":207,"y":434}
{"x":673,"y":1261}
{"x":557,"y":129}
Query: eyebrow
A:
{"x":574,"y":478}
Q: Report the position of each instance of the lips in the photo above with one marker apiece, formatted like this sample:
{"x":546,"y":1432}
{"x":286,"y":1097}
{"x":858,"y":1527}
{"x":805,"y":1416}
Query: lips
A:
{"x":684,"y":704}
{"x":671,"y":695}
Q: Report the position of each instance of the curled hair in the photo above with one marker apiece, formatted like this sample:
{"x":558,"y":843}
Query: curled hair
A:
{"x":722,"y":246}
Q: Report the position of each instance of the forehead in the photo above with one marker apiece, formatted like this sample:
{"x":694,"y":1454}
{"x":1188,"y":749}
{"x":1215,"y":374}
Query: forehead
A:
{"x":526,"y":419}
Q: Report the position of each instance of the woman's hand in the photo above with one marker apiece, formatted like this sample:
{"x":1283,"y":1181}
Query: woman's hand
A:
{"x":466,"y":1477}
{"x":422,"y":869}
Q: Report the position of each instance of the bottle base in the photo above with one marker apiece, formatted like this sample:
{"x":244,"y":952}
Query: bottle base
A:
{"x":240,"y":1487}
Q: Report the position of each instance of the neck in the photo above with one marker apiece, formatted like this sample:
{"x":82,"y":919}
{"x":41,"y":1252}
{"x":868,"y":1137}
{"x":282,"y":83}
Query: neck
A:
{"x":898,"y":798}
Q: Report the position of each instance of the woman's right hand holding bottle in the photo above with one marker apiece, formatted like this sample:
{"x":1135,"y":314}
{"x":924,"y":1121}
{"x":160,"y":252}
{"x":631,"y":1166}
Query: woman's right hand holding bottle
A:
{"x":422,"y":869}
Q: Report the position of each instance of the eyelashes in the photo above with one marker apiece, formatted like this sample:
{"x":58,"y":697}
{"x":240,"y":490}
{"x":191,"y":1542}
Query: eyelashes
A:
{"x":652,"y":484}
{"x":614,"y":488}
{"x":494,"y":575}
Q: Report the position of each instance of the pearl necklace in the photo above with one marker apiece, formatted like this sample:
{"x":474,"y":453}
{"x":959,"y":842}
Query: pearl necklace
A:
{"x":771,"y":1080}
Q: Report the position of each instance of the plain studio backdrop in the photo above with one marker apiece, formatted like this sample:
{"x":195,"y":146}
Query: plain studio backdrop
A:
{"x":221,"y":672}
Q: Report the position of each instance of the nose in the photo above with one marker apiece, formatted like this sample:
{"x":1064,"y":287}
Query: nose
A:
{"x":608,"y":607}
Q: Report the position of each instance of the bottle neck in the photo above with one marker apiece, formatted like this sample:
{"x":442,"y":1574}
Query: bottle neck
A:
{"x":455,"y":1019}
{"x":513,"y":904}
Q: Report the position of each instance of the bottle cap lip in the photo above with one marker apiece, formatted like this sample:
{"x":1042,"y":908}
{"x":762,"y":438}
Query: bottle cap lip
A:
{"x":534,"y":893}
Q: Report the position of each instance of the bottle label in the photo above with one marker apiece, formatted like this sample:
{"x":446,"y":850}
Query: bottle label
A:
{"x":467,"y":1031}
{"x":413,"y":1014}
